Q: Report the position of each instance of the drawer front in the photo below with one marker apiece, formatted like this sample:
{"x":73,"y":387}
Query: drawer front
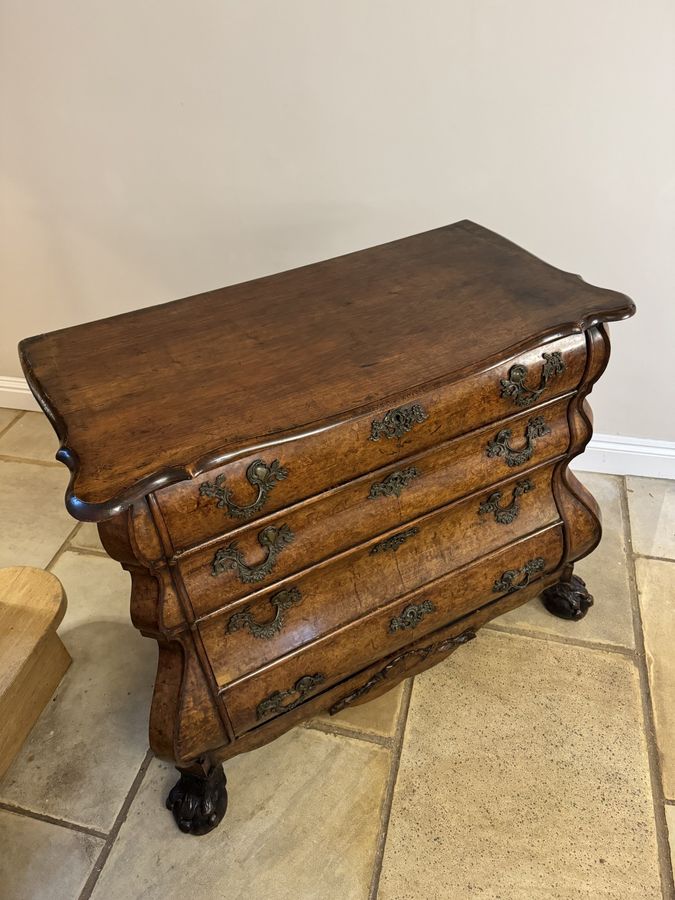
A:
{"x":263,"y":554}
{"x":275,"y":477}
{"x":250,"y":634}
{"x":381,"y":675}
{"x":286,"y":685}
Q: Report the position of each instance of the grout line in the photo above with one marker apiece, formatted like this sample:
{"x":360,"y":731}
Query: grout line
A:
{"x":86,"y":551}
{"x":657,"y":558}
{"x":645,"y":478}
{"x":95,"y":873}
{"x":561,"y":639}
{"x":339,"y":731}
{"x":52,"y":820}
{"x":662,"y":841}
{"x":385,"y":813}
{"x":6,"y":457}
{"x":62,"y":549}
{"x":12,"y":422}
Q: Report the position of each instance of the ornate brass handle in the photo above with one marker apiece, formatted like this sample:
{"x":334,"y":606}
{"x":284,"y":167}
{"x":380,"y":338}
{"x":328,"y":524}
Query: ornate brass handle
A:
{"x":393,"y":484}
{"x":398,"y":421}
{"x":504,"y":515}
{"x":500,"y":446}
{"x":514,"y":386}
{"x":271,"y":539}
{"x":394,"y":542}
{"x":411,"y":616}
{"x":260,"y":475}
{"x":446,"y":646}
{"x":275,"y":702}
{"x":281,"y":601}
{"x":506,"y":583}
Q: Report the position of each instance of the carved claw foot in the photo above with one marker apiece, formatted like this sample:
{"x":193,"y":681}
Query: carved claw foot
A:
{"x":198,"y":804}
{"x":568,"y":599}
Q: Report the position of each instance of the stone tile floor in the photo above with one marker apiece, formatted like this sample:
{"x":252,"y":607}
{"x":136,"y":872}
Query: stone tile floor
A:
{"x":538,"y":762}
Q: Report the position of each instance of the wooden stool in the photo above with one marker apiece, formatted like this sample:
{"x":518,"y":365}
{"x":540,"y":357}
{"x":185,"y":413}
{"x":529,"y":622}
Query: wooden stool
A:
{"x":32,"y":658}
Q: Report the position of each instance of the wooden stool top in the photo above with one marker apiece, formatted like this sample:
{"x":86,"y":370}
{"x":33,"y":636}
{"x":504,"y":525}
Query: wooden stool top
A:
{"x":32,"y":602}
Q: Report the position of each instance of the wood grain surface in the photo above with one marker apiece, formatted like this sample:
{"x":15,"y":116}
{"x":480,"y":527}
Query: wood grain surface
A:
{"x":322,"y":461}
{"x":356,"y":645}
{"x":147,"y":398}
{"x":33,"y":659}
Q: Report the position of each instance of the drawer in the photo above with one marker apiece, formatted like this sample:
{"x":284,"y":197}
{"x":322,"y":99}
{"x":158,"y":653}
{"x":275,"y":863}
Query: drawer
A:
{"x":273,"y":477}
{"x":381,"y":675}
{"x":288,"y":683}
{"x":263,"y":554}
{"x":250,"y":634}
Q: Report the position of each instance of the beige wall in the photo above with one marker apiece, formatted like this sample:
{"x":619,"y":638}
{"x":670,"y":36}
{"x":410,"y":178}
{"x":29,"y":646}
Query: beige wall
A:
{"x":156,"y":149}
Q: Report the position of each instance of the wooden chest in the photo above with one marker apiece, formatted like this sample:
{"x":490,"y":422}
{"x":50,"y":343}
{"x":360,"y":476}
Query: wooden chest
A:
{"x":326,"y":480}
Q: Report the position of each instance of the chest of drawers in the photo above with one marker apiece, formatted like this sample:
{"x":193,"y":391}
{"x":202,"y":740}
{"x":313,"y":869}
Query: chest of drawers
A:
{"x":327,"y":480}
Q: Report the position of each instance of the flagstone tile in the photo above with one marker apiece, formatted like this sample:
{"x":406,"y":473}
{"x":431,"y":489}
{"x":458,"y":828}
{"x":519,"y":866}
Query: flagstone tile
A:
{"x":84,"y":751}
{"x":33,"y":518}
{"x":87,"y":538}
{"x":31,"y":437}
{"x":524,"y":773}
{"x":651,"y":507}
{"x":302,"y":824}
{"x":7,"y":416}
{"x":41,"y":861}
{"x":378,"y":717}
{"x":670,"y":819}
{"x":656,"y":590}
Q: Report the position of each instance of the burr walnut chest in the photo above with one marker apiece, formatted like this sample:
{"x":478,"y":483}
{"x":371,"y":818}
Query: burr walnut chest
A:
{"x":326,"y":480}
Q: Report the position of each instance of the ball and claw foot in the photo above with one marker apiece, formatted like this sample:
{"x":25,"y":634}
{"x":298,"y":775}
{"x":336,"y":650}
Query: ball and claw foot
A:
{"x":568,"y":599}
{"x":198,"y":804}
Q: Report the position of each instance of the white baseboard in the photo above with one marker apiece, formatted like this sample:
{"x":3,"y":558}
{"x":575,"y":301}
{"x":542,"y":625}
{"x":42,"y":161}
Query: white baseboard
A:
{"x":617,"y":455}
{"x":15,"y":393}
{"x":607,"y":453}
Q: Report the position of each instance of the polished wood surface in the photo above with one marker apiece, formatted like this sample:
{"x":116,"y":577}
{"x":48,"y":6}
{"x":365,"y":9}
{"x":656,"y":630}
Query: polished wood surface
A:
{"x":347,"y":518}
{"x":151,"y":397}
{"x":319,"y":462}
{"x":355,"y":646}
{"x":370,"y":573}
{"x":326,"y":480}
{"x":445,"y":541}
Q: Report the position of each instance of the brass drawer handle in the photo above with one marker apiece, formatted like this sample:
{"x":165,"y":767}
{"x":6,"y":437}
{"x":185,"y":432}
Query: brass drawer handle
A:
{"x":394,"y":542}
{"x":505,"y":515}
{"x":271,"y":539}
{"x":514,"y":386}
{"x":275,"y":702}
{"x":446,"y":646}
{"x":397,"y":422}
{"x":260,"y":475}
{"x":411,"y":616}
{"x":499,"y":446}
{"x":280,"y":602}
{"x":393,"y":484}
{"x":506,"y":583}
